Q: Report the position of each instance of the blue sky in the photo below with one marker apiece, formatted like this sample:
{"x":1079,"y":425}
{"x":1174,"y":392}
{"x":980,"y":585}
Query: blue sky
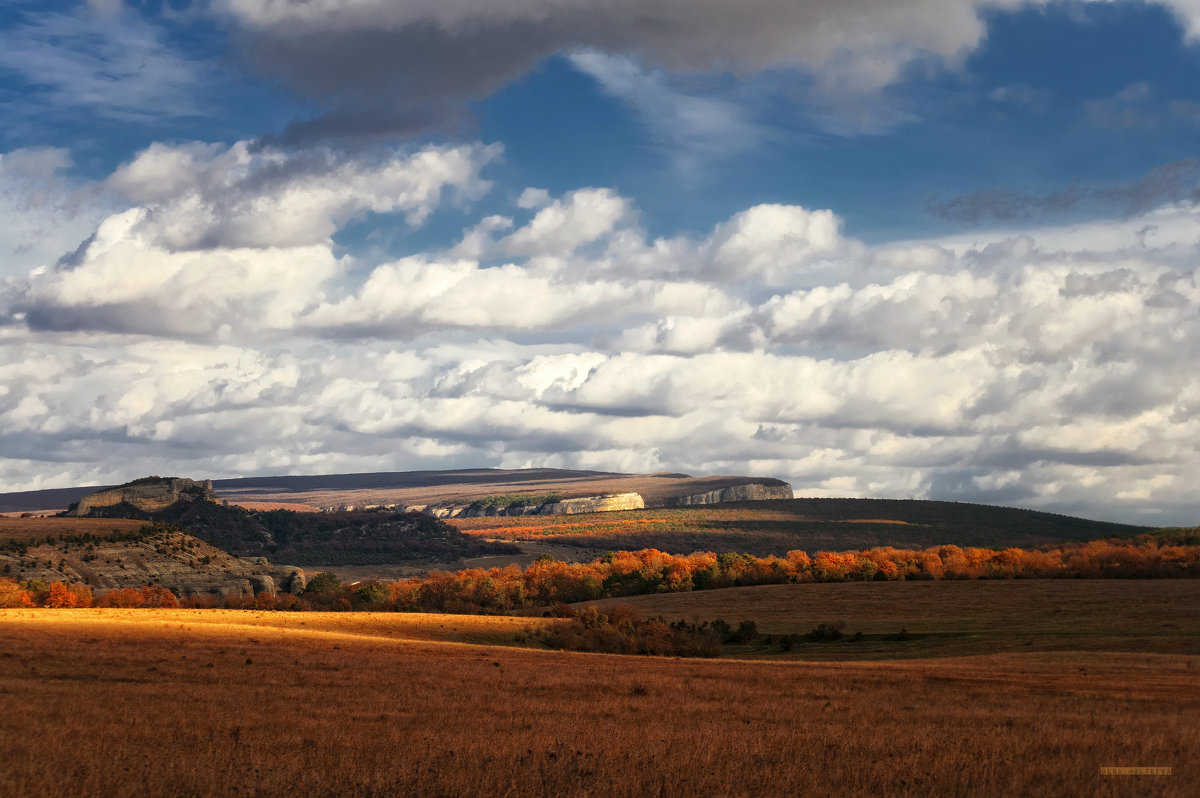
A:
{"x":554,"y":220}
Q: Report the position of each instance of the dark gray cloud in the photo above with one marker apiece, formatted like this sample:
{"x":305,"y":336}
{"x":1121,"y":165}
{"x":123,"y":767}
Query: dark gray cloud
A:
{"x":1005,"y":205}
{"x":381,"y":67}
{"x":1177,"y":181}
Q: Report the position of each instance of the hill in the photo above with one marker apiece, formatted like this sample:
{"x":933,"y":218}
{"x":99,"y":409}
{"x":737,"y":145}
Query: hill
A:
{"x":334,"y":538}
{"x":776,"y":527}
{"x":107,"y":554}
{"x":436,"y":488}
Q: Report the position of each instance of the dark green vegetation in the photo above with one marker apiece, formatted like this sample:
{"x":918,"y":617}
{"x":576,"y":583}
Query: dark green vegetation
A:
{"x":354,"y":537}
{"x":503,"y":502}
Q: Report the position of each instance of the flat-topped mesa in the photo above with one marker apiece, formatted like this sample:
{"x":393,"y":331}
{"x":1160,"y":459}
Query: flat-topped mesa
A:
{"x":149,"y":494}
{"x":750,"y":492}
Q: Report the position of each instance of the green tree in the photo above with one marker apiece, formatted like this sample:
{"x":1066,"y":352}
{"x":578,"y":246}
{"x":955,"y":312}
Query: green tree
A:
{"x":323,"y":583}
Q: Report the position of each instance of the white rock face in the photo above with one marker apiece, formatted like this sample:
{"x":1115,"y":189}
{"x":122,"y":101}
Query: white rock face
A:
{"x":151,"y":494}
{"x":594,"y":504}
{"x":752,"y":492}
{"x":584,"y":504}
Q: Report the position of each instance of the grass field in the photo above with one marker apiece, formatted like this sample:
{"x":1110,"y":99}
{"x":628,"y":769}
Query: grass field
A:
{"x":196,"y":702}
{"x":955,"y":617}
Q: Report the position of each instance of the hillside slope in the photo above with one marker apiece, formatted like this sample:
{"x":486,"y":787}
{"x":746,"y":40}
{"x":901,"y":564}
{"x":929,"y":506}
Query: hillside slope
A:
{"x":776,"y":527}
{"x":335,"y":538}
{"x":116,"y":553}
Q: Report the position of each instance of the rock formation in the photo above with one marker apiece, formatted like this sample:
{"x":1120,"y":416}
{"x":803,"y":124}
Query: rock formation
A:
{"x":583,"y":504}
{"x":150,"y":495}
{"x":594,"y":504}
{"x":750,"y":492}
{"x":159,"y":556}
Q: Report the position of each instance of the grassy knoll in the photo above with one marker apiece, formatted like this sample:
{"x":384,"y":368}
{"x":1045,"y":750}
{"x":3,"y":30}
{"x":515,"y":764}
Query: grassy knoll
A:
{"x":175,"y":702}
{"x":952,"y":617}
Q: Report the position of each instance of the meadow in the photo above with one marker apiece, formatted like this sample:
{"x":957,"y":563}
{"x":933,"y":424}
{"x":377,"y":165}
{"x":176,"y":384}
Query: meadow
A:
{"x":951,"y":618}
{"x":215,"y":702}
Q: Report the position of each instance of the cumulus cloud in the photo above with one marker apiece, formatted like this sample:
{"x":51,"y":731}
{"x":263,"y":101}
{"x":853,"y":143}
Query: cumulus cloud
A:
{"x":204,"y":196}
{"x":563,"y":226}
{"x":224,"y":240}
{"x":44,"y":211}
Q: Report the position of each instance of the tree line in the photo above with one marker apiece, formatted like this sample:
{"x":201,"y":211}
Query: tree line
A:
{"x":548,"y":582}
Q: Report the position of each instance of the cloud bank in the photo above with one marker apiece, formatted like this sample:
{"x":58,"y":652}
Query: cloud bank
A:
{"x":210,"y":325}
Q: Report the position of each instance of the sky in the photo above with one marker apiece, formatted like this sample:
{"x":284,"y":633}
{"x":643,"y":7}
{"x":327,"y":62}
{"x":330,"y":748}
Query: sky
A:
{"x":940,"y":249}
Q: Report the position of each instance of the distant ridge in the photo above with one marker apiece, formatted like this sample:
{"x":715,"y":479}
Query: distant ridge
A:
{"x":424,"y":487}
{"x":404,"y":479}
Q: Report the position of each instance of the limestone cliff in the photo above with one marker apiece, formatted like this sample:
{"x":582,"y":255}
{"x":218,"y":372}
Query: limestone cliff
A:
{"x":750,"y":492}
{"x":149,"y":495}
{"x":594,"y":504}
{"x":583,"y":504}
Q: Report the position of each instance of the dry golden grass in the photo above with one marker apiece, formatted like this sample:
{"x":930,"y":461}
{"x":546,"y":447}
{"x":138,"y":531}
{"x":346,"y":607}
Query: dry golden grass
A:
{"x":32,"y":528}
{"x":295,"y":507}
{"x":957,"y":617}
{"x":219,"y":703}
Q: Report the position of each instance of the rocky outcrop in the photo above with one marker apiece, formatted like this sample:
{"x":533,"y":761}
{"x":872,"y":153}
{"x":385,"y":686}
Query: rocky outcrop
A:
{"x":583,"y":504}
{"x":149,"y":495}
{"x":751,"y":492}
{"x":595,"y":504}
{"x":161,"y":557}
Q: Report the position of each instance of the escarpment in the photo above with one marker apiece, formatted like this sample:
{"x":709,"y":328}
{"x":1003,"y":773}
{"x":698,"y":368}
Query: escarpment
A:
{"x":583,"y":504}
{"x":147,"y":495}
{"x":750,"y":492}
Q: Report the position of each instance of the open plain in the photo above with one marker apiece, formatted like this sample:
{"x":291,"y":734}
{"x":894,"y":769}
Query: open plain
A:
{"x":200,"y":702}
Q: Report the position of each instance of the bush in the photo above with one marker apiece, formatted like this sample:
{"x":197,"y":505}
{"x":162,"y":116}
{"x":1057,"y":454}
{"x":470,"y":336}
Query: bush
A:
{"x":825,"y":633}
{"x":372,"y":594}
{"x":746,"y":631}
{"x":619,"y":630}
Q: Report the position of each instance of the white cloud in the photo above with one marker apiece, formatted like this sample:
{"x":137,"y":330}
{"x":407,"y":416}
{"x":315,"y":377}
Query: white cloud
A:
{"x":563,"y":226}
{"x":771,"y":242}
{"x":45,"y":212}
{"x":203,"y":195}
{"x":226,"y":240}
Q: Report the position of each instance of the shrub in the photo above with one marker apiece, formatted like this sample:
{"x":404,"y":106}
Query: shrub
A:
{"x":825,"y":633}
{"x":746,"y":631}
{"x":12,"y":595}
